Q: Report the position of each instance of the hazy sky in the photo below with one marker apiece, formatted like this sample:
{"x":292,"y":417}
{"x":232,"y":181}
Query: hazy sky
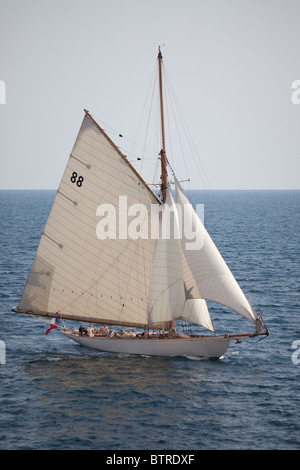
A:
{"x":231,"y":63}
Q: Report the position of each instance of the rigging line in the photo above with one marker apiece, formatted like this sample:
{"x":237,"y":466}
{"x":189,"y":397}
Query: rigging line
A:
{"x":109,"y":130}
{"x":36,"y":317}
{"x":153,"y":159}
{"x":168,"y":94}
{"x":188,"y":135}
{"x":98,"y":261}
{"x":164,"y":291}
{"x":135,"y":259}
{"x":167,"y":113}
{"x":185,"y":128}
{"x":134,"y":143}
{"x":180,"y":141}
{"x":142,"y":147}
{"x":153,"y":85}
{"x":140,"y":247}
{"x":94,"y":281}
{"x":250,"y":345}
{"x":112,"y":131}
{"x":150,"y":110}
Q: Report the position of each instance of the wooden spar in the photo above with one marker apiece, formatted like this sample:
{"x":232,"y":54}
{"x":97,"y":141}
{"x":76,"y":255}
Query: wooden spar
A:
{"x":241,"y":336}
{"x":163,"y":158}
{"x":81,"y":319}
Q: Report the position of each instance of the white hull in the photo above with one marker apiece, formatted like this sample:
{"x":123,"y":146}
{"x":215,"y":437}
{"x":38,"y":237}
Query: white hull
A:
{"x":205,"y":346}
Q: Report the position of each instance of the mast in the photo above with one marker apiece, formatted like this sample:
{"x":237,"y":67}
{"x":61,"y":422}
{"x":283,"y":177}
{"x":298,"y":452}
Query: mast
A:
{"x":163,"y":158}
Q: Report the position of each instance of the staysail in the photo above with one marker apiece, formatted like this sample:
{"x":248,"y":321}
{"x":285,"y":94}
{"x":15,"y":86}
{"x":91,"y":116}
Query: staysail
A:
{"x":79,"y":272}
{"x":214,"y":279}
{"x":173,"y":291}
{"x":166,"y":293}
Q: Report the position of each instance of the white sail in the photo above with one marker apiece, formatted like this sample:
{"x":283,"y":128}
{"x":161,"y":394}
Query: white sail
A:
{"x":214,"y":279}
{"x":196,"y":311}
{"x":167,"y":294}
{"x":75,"y":273}
{"x":173,"y":290}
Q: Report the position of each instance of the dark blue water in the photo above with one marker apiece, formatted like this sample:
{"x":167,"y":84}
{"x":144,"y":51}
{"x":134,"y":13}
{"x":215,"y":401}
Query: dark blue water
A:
{"x":55,"y":394}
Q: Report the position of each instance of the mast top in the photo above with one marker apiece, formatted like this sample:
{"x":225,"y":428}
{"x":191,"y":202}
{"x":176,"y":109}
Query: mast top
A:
{"x":164,"y":173}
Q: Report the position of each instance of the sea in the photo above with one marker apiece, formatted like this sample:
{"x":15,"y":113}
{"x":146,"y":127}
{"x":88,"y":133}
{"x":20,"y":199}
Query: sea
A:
{"x":58,"y":395}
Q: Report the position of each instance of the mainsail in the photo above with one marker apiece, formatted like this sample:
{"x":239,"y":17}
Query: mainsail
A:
{"x":75,"y":274}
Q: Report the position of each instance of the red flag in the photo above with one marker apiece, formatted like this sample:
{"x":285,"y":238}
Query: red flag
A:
{"x":52,"y":325}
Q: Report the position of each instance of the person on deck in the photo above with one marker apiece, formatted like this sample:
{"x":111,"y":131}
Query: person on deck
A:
{"x":90,"y":331}
{"x":104,"y":330}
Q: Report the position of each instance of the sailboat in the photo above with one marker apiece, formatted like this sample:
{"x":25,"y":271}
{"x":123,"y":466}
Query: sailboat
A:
{"x":97,"y":264}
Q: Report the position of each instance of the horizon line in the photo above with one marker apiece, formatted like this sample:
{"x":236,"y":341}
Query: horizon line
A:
{"x":187,"y":189}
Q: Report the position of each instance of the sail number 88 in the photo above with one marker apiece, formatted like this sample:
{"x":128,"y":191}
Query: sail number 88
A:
{"x":76,"y":179}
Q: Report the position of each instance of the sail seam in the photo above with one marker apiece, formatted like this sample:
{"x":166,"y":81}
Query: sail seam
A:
{"x":67,"y":197}
{"x":87,"y":165}
{"x":52,"y":239}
